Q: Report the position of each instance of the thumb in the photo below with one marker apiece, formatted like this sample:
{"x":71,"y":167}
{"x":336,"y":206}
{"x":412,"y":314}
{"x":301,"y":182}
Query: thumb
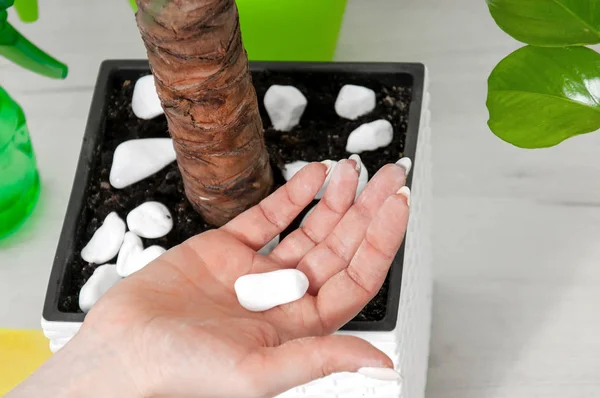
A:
{"x":296,"y":362}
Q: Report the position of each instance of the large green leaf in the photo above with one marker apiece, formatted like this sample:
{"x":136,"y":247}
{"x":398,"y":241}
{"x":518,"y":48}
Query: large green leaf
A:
{"x":549,"y":22}
{"x":540,"y":96}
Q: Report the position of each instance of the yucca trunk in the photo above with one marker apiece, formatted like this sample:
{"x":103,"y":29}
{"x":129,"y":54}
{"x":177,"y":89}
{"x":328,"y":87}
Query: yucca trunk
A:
{"x":202,"y":78}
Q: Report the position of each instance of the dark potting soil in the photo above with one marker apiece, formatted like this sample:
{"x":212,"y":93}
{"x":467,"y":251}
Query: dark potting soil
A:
{"x":322,"y":134}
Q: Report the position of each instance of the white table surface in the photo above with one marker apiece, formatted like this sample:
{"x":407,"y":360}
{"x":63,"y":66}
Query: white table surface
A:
{"x":517,"y":232}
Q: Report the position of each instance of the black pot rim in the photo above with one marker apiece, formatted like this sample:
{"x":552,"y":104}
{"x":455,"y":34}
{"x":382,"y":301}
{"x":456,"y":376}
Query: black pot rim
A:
{"x":94,"y":127}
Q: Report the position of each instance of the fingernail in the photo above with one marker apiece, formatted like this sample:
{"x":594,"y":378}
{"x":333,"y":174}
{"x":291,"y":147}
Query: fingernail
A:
{"x":405,"y":191}
{"x":356,"y":158}
{"x":385,"y":374}
{"x":329,"y":164}
{"x":406,"y":164}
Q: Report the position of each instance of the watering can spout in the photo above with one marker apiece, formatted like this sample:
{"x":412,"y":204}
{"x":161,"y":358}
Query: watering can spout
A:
{"x":16,"y":48}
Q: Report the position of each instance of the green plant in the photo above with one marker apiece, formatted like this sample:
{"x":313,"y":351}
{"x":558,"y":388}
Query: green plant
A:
{"x":549,"y":90}
{"x":201,"y":72}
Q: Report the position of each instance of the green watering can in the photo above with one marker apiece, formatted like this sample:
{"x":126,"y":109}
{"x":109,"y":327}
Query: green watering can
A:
{"x":289,"y":30}
{"x":21,"y":51}
{"x":19,"y":179}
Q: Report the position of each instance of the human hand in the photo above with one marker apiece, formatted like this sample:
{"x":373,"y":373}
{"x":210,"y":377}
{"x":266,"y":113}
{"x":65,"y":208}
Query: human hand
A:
{"x":176,"y":328}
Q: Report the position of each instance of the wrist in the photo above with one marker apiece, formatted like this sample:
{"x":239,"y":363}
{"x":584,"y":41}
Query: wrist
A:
{"x":82,"y":368}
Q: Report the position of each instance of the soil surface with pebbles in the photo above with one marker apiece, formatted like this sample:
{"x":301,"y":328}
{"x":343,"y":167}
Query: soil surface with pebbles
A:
{"x":322,"y":134}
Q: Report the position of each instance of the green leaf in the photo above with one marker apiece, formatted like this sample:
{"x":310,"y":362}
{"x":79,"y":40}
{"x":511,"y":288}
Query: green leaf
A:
{"x":539,"y":96}
{"x":549,"y":22}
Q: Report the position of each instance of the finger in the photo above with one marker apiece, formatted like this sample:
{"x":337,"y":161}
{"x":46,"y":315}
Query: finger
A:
{"x":357,"y":284}
{"x":258,"y":225}
{"x":335,"y":252}
{"x":368,"y":269}
{"x":276,"y":370}
{"x":338,"y":198}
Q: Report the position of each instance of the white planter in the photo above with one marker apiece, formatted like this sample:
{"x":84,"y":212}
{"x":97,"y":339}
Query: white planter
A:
{"x":407,"y":344}
{"x":59,"y":333}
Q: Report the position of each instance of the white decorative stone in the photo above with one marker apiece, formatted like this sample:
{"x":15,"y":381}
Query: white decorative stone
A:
{"x":139,"y":260}
{"x":106,"y":241}
{"x":132,"y":245}
{"x":370,"y":136}
{"x":354,"y":101}
{"x":285,"y":106}
{"x":290,"y":169}
{"x":145,"y":102}
{"x":135,"y":160}
{"x":103,"y":278}
{"x":261,"y":292}
{"x":331,"y":164}
{"x":269,"y":247}
{"x":363,"y":179}
{"x":150,"y":220}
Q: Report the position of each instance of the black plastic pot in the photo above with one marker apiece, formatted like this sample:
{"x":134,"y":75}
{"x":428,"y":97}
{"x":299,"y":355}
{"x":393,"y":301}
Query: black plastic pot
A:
{"x":402,"y":74}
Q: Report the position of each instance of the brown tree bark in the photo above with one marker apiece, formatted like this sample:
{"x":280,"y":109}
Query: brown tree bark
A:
{"x":202,"y":78}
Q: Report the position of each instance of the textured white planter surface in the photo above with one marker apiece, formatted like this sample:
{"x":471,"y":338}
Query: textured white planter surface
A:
{"x":59,"y":333}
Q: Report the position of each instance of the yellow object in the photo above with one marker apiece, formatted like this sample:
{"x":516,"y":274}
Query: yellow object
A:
{"x":21,"y":353}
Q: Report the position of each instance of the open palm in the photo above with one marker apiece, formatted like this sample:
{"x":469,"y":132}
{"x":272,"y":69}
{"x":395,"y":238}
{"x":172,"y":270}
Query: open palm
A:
{"x":179,"y":330}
